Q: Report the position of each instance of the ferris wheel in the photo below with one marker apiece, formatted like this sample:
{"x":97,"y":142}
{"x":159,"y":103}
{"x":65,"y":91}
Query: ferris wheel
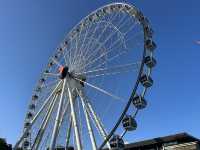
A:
{"x":90,"y":92}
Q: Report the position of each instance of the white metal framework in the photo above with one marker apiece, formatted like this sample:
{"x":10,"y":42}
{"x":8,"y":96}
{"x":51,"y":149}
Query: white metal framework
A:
{"x":85,"y":92}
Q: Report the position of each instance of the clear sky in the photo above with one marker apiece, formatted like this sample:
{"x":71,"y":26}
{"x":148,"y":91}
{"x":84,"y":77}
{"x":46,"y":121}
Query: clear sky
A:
{"x":30,"y":30}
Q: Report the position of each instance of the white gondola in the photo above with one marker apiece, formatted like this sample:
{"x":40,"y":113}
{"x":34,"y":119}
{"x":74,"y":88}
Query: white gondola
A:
{"x":66,"y":43}
{"x":140,"y":17}
{"x":70,"y":148}
{"x":27,"y":135}
{"x":63,"y":148}
{"x":29,"y":115}
{"x":60,"y":148}
{"x":146,"y":81}
{"x":38,"y":89}
{"x":106,"y":9}
{"x":27,"y":124}
{"x":116,"y":143}
{"x":139,"y":102}
{"x":46,"y":71}
{"x":42,"y":80}
{"x":26,"y":144}
{"x":148,"y":31}
{"x":35,"y":97}
{"x":150,"y":61}
{"x":56,"y":56}
{"x":150,"y":45}
{"x":32,"y":106}
{"x":129,"y":123}
{"x":60,"y":49}
{"x":50,"y":64}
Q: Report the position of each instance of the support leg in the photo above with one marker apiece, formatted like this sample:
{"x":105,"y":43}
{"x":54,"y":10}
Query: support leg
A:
{"x":90,"y":130}
{"x":58,"y":117}
{"x":74,"y":119}
{"x":97,"y":120}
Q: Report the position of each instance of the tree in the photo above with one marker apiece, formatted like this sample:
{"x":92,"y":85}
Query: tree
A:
{"x":4,"y":145}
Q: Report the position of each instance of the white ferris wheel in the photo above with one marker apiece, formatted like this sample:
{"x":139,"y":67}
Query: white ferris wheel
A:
{"x":93,"y":87}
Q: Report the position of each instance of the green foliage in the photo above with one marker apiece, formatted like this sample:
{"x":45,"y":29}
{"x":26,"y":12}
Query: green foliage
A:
{"x":4,"y":145}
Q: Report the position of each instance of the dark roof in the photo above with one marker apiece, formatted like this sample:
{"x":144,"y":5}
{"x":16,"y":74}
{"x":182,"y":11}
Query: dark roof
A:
{"x":180,"y":138}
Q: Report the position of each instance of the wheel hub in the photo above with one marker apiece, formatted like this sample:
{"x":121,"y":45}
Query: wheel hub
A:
{"x":64,"y":73}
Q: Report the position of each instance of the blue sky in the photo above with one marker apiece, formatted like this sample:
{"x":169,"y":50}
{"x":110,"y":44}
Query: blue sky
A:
{"x":30,"y":30}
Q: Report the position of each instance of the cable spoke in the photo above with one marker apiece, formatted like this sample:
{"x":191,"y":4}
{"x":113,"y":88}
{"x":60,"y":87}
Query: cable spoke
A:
{"x":58,"y":117}
{"x":36,"y":116}
{"x":119,"y":68}
{"x":64,"y":113}
{"x":56,"y":62}
{"x":74,"y":119}
{"x":107,"y":39}
{"x":100,"y":35}
{"x":95,"y":117}
{"x":102,"y":90}
{"x":52,"y":74}
{"x":90,"y":130}
{"x":69,"y":132}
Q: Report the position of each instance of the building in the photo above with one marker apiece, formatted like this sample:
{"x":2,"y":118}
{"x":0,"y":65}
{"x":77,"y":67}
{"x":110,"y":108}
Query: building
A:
{"x":182,"y":141}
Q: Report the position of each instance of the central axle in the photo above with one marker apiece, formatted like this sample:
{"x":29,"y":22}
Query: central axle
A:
{"x":64,"y":72}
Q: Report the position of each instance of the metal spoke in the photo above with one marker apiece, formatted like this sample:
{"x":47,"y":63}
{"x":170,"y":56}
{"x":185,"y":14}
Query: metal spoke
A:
{"x":63,"y":114}
{"x":74,"y":119}
{"x":52,"y":74}
{"x":43,"y":126}
{"x":97,"y":120}
{"x":102,"y":33}
{"x":69,"y":132}
{"x":101,"y":90}
{"x":90,"y":130}
{"x":46,"y":101}
{"x":119,"y":68}
{"x":56,"y":62}
{"x":58,"y":117}
{"x":106,"y":40}
{"x":50,"y":84}
{"x":36,"y":116}
{"x":88,"y":46}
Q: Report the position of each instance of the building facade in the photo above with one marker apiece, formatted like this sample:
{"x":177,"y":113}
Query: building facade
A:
{"x":182,"y":141}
